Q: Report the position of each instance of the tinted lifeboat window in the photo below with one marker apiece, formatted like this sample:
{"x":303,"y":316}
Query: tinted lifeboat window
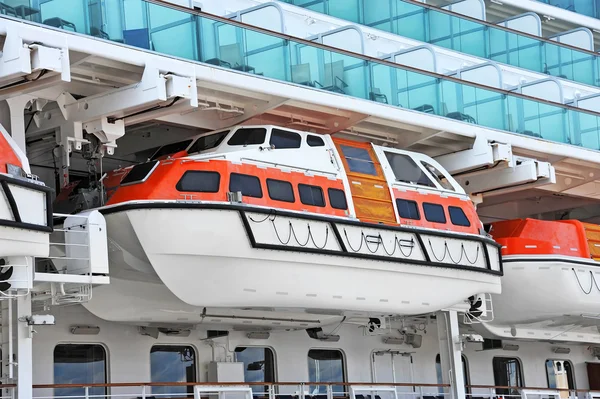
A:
{"x":248,"y":185}
{"x":199,"y":181}
{"x":314,"y":141}
{"x":407,"y":209}
{"x":283,"y":139}
{"x":280,"y":190}
{"x":458,"y":217}
{"x":248,"y":136}
{"x":434,"y":212}
{"x":208,"y":142}
{"x":406,"y":170}
{"x":139,"y":173}
{"x":311,"y":195}
{"x":170,"y":149}
{"x":337,"y":198}
{"x":438,"y":176}
{"x":359,"y":160}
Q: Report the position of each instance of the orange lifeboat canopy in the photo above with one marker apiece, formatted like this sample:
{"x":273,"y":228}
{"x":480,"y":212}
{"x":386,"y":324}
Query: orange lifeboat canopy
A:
{"x":548,"y":237}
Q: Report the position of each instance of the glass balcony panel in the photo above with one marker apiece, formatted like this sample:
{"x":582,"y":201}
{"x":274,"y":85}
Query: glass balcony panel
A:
{"x":378,"y":14}
{"x":344,"y":9}
{"x":167,"y":27}
{"x":418,"y":92}
{"x":182,"y":34}
{"x":65,"y":14}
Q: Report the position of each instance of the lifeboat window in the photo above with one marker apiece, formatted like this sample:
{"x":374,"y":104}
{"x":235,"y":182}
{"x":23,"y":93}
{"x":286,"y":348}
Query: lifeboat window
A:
{"x":280,"y":190}
{"x":283,"y":139}
{"x":172,"y":148}
{"x":208,"y":142}
{"x":337,"y":198}
{"x":248,"y":185}
{"x":80,"y":364}
{"x":326,"y":365}
{"x":438,"y":176}
{"x":359,"y":160}
{"x":311,"y":195}
{"x":314,"y":141}
{"x":248,"y":136}
{"x":434,"y":212}
{"x":139,"y":173}
{"x":406,"y":170}
{"x":199,"y":181}
{"x":458,"y":217}
{"x":259,"y":365}
{"x":408,"y":209}
{"x":170,"y":363}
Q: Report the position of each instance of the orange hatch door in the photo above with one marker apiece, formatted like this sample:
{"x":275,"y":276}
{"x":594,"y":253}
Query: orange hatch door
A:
{"x":592,"y":233}
{"x":370,"y":192}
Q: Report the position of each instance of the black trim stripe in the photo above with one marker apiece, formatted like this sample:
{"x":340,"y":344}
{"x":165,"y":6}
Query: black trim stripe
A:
{"x":573,"y":261}
{"x":5,"y":182}
{"x":242,"y":209}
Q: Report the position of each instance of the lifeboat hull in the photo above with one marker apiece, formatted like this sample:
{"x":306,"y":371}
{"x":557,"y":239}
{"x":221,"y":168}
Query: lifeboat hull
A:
{"x":239,"y":256}
{"x":550,"y":297}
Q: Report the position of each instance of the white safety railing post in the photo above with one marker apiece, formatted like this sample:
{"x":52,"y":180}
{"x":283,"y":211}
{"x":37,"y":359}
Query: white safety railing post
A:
{"x":143,"y":392}
{"x":87,"y":392}
{"x":329,"y":391}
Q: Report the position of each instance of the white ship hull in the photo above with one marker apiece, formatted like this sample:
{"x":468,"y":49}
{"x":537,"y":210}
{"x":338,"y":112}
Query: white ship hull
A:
{"x":548,"y":297}
{"x":219,"y":256}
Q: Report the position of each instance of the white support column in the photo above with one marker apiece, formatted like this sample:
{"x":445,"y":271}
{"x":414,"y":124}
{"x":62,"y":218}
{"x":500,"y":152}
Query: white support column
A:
{"x":24,"y":349}
{"x":4,"y":305}
{"x":451,"y":353}
{"x":16,"y":106}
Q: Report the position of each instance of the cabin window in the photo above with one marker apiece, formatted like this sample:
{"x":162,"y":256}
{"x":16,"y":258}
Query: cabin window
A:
{"x":458,"y":217}
{"x":560,"y":374}
{"x":314,"y":141}
{"x":199,"y":182}
{"x":406,"y":170}
{"x":208,"y":142}
{"x":326,"y":365}
{"x":172,"y":363}
{"x":337,"y":198}
{"x":311,"y":195}
{"x":440,"y":379}
{"x":283,"y":139}
{"x":434,"y":212}
{"x":259,"y":365}
{"x":248,"y":185}
{"x":280,"y":190}
{"x":407,"y":209}
{"x":139,"y":173}
{"x":248,"y":136}
{"x":170,"y":149}
{"x":80,"y":364}
{"x":359,"y":160}
{"x":438,"y":176}
{"x":507,"y":373}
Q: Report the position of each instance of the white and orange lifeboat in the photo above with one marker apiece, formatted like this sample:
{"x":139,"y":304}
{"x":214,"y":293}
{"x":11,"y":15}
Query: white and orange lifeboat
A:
{"x":254,"y":216}
{"x":551,"y":283}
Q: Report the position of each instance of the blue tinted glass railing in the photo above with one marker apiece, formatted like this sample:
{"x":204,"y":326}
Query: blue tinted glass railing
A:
{"x":584,"y":7}
{"x":469,"y":36}
{"x":227,"y":44}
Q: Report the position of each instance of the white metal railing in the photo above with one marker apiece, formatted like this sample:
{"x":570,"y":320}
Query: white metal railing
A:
{"x":286,"y":390}
{"x":78,"y":258}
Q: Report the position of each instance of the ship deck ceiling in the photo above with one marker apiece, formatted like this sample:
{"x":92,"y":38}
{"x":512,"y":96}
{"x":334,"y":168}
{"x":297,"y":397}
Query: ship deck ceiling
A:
{"x":227,"y":98}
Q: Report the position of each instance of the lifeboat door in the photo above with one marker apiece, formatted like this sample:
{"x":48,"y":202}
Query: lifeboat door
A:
{"x":389,"y":366}
{"x":370,"y":191}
